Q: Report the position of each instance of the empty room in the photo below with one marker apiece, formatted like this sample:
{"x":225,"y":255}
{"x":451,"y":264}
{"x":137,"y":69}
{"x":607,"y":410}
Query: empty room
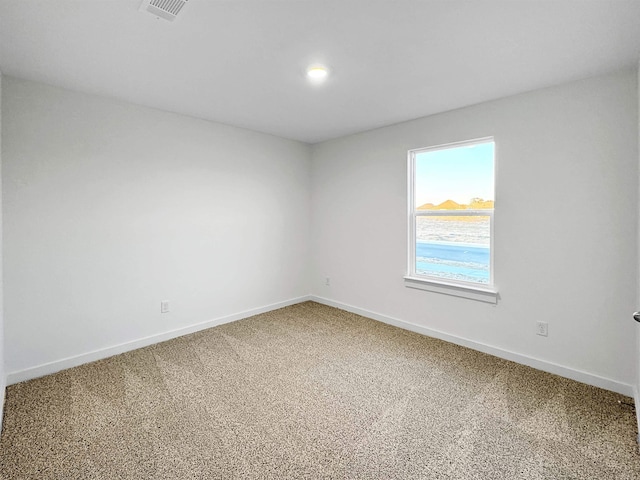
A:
{"x":273,"y":239}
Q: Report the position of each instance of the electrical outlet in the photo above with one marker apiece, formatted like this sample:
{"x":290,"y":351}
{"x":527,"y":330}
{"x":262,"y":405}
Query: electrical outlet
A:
{"x":327,"y":281}
{"x":164,"y":307}
{"x":542,"y":328}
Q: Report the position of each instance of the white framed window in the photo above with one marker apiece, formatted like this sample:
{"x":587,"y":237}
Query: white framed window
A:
{"x":451,"y":197}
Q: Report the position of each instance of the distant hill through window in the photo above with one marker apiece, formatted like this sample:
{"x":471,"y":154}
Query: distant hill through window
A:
{"x":474,"y":204}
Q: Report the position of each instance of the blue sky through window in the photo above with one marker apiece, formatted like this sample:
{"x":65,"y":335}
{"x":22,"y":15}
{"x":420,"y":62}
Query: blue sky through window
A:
{"x":457,"y":173}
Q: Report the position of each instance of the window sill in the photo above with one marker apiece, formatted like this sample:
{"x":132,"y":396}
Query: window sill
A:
{"x":480,"y":293}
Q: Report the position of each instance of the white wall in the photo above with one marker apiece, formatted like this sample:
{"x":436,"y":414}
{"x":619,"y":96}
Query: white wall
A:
{"x":111,"y":208}
{"x":566,"y":225}
{"x":637,"y":306}
{"x":3,"y":377}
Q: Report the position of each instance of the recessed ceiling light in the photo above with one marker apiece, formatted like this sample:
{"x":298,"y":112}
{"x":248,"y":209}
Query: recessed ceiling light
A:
{"x":317,"y":73}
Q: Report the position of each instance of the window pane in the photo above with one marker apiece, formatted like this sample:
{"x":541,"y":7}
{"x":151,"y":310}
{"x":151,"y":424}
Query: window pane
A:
{"x":455,"y":178}
{"x":447,"y":181}
{"x":454,"y":248}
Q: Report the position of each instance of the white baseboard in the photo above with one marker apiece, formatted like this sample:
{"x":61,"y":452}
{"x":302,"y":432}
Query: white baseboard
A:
{"x":69,"y":362}
{"x":536,"y":363}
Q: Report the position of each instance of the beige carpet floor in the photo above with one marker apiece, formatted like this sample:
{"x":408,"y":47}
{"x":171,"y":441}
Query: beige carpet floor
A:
{"x":310,"y":391}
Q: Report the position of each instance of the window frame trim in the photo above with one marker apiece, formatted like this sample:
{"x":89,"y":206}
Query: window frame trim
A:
{"x":477,"y":291}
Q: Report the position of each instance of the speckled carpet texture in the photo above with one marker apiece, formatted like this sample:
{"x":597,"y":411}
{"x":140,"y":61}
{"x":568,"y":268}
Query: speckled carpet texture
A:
{"x":313,"y":392}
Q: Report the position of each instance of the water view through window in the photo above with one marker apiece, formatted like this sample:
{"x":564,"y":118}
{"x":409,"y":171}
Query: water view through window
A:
{"x":454,"y":201}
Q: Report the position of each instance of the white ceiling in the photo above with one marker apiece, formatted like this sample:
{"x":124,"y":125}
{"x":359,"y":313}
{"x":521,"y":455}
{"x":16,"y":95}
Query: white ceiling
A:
{"x":242,"y":62}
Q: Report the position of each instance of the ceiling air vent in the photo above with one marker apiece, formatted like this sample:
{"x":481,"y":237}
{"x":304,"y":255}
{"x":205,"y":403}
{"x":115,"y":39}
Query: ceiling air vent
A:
{"x":167,"y":9}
